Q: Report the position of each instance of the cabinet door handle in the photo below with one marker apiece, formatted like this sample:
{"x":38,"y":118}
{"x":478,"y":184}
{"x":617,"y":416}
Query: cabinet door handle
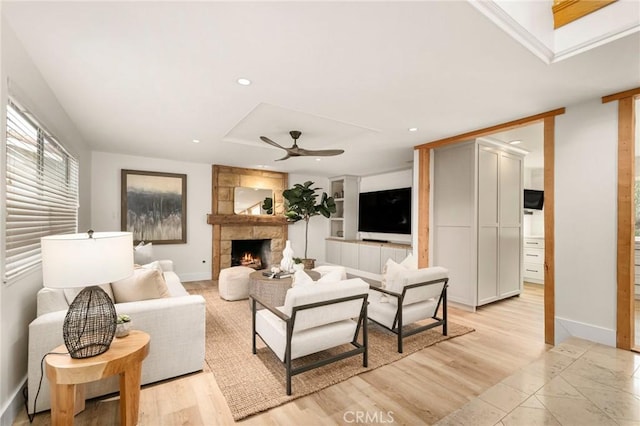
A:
{"x":531,"y":255}
{"x":531,"y":270}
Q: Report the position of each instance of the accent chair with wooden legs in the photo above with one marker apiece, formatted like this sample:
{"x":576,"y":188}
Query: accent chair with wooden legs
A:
{"x":314,"y":318}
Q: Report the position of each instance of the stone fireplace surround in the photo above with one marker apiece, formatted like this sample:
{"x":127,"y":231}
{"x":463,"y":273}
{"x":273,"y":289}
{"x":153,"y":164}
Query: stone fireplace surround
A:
{"x":228,"y":226}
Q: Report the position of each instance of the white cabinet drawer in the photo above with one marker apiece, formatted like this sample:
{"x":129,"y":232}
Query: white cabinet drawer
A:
{"x":533,"y":270}
{"x":533,"y":255}
{"x":534,"y":243}
{"x":637,"y":262}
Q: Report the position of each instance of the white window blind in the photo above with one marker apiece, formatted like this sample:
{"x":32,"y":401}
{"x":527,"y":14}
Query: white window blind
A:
{"x":41,"y":192}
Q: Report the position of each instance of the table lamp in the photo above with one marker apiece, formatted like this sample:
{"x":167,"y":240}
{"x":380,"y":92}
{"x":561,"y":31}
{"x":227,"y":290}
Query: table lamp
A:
{"x":87,"y":260}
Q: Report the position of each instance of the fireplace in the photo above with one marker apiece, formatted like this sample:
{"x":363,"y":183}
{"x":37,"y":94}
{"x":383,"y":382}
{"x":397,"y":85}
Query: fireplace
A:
{"x":255,"y":254}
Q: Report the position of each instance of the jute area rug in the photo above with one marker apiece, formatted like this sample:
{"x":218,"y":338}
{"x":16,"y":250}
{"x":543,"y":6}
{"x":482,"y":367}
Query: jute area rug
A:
{"x":255,"y":383}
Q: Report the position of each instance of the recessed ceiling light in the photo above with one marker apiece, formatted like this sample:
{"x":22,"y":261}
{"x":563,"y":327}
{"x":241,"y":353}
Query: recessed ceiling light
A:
{"x":318,"y":159}
{"x":195,"y":141}
{"x":244,"y":81}
{"x":413,"y":129}
{"x":516,"y":142}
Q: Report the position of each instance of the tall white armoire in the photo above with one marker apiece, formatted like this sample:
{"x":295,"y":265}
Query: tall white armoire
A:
{"x":477,"y":191}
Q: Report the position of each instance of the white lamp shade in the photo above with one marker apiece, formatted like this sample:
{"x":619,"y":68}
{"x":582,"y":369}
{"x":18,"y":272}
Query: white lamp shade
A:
{"x":76,"y":260}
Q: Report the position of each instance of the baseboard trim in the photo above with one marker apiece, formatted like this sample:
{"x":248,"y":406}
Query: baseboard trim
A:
{"x":12,"y":408}
{"x":565,"y":328}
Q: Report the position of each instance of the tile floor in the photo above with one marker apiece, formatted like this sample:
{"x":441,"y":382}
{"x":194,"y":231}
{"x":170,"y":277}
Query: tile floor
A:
{"x":575,"y":383}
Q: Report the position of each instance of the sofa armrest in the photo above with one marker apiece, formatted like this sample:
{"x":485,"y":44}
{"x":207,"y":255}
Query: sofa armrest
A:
{"x":177,"y":329}
{"x":51,"y":300}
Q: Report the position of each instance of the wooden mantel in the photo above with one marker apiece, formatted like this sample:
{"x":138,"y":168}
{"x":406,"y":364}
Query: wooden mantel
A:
{"x":241,"y":219}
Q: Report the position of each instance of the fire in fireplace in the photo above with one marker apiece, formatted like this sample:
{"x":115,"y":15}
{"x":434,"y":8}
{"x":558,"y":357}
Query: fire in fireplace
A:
{"x":252,"y":253}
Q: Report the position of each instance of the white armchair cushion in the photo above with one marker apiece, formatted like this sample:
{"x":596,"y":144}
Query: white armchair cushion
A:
{"x":418,"y":276}
{"x":273,"y":331}
{"x":385,"y":313}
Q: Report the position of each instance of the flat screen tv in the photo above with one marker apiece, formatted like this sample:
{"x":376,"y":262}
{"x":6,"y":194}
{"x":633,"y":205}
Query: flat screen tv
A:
{"x":533,"y":199}
{"x":385,"y":211}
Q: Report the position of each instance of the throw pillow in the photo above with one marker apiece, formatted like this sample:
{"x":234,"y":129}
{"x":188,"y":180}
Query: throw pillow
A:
{"x":142,"y":253}
{"x":142,"y":285}
{"x":153,"y":265}
{"x":410,"y":262}
{"x":331,"y":277}
{"x":301,"y":279}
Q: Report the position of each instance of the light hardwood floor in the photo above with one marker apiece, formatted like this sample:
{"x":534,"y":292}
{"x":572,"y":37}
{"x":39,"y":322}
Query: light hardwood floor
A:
{"x":418,"y":389}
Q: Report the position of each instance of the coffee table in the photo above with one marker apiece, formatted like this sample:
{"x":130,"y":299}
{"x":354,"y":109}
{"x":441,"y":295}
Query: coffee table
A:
{"x":272,"y":290}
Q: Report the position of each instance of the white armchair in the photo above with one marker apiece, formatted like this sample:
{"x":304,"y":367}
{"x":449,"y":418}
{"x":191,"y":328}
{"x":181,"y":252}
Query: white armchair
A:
{"x":411,"y":296}
{"x":314,"y":318}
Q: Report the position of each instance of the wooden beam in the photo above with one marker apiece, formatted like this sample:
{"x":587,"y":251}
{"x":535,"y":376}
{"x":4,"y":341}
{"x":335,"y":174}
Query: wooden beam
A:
{"x":549,"y":231}
{"x":424,"y":188}
{"x":621,"y":95}
{"x":567,"y":11}
{"x":489,"y":130}
{"x":246,"y":219}
{"x":626,"y":224}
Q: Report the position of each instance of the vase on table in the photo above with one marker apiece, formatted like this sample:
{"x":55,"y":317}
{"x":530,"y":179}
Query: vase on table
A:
{"x":287,"y":258}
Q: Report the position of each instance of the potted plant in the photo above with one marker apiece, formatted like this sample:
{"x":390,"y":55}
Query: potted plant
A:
{"x":302,"y":204}
{"x":297,"y":264}
{"x":123,"y":325}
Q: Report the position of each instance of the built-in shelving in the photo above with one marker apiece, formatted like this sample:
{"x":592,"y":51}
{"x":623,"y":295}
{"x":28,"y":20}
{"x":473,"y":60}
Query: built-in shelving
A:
{"x":344,"y":190}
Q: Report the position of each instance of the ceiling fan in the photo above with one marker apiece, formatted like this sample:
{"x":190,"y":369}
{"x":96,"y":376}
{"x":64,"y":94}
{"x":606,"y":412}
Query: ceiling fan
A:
{"x":296,"y":151}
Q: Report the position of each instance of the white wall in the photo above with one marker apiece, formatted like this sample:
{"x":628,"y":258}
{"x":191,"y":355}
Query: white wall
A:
{"x":318,"y":225}
{"x":192,"y":261}
{"x":585,"y":222}
{"x":381,"y":182}
{"x":18,"y":301}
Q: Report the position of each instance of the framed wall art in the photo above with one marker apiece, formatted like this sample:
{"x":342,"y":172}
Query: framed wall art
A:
{"x":154,"y":206}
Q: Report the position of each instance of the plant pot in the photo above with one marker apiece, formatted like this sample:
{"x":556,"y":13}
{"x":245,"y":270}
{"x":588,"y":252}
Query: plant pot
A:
{"x":309,"y":263}
{"x":123,"y":328}
{"x":298,"y":266}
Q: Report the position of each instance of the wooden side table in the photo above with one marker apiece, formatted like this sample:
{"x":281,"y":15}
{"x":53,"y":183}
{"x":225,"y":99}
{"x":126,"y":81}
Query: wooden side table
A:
{"x":124,"y":357}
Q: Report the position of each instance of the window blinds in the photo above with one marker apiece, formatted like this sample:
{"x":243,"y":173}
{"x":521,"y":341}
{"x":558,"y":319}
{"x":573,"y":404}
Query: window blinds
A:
{"x":41,"y":192}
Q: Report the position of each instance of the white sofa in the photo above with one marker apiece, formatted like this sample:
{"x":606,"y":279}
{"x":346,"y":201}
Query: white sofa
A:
{"x":176,"y":325}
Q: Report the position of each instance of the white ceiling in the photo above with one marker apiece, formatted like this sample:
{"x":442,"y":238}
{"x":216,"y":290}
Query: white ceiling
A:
{"x":145,"y":78}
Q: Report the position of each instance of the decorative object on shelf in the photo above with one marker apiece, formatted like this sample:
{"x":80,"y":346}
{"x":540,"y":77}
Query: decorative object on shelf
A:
{"x":340,"y":234}
{"x":123,"y":325}
{"x":154,"y":206}
{"x":87,"y":260}
{"x":301,"y":205}
{"x":286,"y":264}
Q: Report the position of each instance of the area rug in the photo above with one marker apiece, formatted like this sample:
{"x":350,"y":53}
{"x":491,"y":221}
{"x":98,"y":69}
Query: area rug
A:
{"x":255,"y":383}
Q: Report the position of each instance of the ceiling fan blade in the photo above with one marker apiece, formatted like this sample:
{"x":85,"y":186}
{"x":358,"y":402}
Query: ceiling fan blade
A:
{"x":270,"y":142}
{"x":320,"y":153}
{"x":283,"y":158}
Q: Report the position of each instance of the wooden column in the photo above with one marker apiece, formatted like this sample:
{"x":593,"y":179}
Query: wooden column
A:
{"x":626,"y":224}
{"x":549,"y":231}
{"x":424,"y":193}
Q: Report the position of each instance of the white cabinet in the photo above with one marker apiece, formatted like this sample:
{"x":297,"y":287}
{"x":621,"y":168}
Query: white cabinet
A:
{"x":349,"y":255}
{"x":334,"y":252}
{"x":477,"y":219}
{"x":637,"y":270}
{"x":364,"y":258}
{"x":369,"y":258}
{"x":533,"y":260}
{"x":344,"y":222}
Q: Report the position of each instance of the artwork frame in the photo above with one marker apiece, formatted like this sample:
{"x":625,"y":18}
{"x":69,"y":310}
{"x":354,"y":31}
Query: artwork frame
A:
{"x":154,"y":206}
